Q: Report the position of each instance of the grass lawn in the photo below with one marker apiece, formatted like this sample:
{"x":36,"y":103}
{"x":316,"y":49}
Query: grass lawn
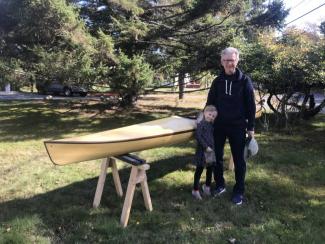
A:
{"x":44,"y":203}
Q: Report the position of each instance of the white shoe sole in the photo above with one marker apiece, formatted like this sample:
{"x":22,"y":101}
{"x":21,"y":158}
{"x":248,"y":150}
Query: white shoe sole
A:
{"x":239,"y":203}
{"x":220,"y":193}
{"x":196,"y":196}
{"x":206,"y":193}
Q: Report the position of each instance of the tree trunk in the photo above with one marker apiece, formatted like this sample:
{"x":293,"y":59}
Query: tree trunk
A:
{"x":312,"y":101}
{"x":312,"y":112}
{"x":284,"y":114}
{"x":181,"y":77}
{"x":128,"y":99}
{"x":269,"y":103}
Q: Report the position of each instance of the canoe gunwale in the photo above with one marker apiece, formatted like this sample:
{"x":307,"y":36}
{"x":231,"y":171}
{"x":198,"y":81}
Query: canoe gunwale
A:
{"x":117,"y":141}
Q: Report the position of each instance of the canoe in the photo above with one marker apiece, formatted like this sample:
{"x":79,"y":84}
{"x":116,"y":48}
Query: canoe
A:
{"x":156,"y":133}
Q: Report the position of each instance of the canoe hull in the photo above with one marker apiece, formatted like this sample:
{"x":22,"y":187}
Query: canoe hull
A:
{"x":62,"y":152}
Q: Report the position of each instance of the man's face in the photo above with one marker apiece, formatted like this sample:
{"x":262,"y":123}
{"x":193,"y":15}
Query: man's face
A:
{"x":229,"y":63}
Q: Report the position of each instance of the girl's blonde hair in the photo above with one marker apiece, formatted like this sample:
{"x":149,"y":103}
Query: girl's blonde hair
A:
{"x":210,"y":108}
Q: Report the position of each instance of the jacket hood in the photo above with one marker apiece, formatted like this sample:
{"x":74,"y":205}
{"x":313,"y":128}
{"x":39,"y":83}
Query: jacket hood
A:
{"x":238,"y":74}
{"x":230,"y":79}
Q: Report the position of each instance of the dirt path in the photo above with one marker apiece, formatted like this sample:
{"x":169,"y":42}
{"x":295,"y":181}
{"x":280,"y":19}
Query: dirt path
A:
{"x":34,"y":96}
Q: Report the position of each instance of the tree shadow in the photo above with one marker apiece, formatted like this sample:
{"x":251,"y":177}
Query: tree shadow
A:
{"x":186,"y":112}
{"x":69,"y":209}
{"x":38,"y":120}
{"x":67,"y":212}
{"x":298,"y":155}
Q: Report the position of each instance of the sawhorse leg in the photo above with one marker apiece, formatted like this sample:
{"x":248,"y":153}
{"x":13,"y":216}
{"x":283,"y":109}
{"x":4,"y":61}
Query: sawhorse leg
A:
{"x":108,"y":162}
{"x":231,"y":165}
{"x":138,"y":175}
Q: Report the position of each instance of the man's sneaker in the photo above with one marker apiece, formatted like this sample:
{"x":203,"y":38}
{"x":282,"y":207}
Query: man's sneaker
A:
{"x":206,"y":190}
{"x":237,"y":199}
{"x":219,"y":191}
{"x":196,"y":194}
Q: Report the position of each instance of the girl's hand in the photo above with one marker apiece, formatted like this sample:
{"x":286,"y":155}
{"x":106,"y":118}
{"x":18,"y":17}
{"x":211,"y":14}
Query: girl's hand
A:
{"x":209,"y":149}
{"x":250,"y":133}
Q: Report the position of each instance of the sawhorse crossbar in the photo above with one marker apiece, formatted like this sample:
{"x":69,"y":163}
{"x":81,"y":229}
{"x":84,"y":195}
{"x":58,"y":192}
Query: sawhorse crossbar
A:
{"x":137,"y":175}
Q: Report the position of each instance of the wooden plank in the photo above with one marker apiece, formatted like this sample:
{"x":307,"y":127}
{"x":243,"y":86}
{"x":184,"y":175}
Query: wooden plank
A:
{"x":100,"y":183}
{"x":231,"y":163}
{"x":129,"y":197}
{"x":146,"y":194}
{"x":116,"y":177}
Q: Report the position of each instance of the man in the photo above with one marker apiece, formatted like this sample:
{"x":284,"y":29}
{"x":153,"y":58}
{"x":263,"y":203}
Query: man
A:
{"x":232,"y":94}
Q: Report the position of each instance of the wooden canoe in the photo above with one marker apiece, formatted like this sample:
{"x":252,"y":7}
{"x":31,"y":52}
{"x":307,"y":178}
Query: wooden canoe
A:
{"x":120,"y":141}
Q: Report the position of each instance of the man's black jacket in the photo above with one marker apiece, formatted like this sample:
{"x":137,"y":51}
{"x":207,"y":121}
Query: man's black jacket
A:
{"x":234,"y":99}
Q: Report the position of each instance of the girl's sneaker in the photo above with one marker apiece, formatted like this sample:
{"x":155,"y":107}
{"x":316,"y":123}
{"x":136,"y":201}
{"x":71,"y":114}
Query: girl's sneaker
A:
{"x":206,"y":190}
{"x":196,"y":194}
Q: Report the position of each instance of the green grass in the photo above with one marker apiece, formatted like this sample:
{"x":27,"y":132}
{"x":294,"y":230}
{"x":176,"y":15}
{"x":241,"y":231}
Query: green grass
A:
{"x":44,"y":203}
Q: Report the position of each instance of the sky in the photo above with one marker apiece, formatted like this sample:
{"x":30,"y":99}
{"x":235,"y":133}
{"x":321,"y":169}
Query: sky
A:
{"x":300,"y":7}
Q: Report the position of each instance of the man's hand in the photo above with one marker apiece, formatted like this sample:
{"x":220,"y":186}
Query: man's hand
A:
{"x":250,"y":133}
{"x":209,"y":149}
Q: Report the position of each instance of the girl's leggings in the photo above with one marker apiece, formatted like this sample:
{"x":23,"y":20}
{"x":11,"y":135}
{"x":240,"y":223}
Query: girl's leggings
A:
{"x":197,"y":176}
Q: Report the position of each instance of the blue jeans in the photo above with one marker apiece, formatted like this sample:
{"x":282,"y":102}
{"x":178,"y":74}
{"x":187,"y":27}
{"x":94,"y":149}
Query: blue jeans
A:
{"x":236,"y":137}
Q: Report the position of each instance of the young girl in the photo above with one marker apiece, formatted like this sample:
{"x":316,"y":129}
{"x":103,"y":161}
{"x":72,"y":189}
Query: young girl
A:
{"x":204,"y":155}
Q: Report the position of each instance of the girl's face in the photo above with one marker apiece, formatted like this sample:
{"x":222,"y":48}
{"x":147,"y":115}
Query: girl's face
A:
{"x":210,"y":115}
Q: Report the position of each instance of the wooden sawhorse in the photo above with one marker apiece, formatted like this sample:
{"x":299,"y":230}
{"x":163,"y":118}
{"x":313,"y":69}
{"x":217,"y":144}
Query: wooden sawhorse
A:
{"x":137,"y":175}
{"x":231,"y":165}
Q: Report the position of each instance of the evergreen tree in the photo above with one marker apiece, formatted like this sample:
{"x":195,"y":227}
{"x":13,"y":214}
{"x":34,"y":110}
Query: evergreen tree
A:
{"x":173,"y":38}
{"x":289,"y":68}
{"x":46,"y":37}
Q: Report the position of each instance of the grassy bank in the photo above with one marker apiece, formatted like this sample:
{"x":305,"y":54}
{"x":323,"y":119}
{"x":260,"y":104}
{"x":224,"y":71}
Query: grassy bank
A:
{"x":43,"y":203}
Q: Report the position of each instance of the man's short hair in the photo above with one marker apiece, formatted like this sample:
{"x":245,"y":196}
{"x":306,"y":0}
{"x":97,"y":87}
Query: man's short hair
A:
{"x":230,"y":50}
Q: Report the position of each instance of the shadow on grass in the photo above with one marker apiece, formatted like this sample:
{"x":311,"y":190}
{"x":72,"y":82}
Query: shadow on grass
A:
{"x":272,"y":211}
{"x":299,"y":155}
{"x":25,"y":121}
{"x":66,"y":209}
{"x":66,"y":213}
{"x":271,"y":122}
{"x":186,"y":112}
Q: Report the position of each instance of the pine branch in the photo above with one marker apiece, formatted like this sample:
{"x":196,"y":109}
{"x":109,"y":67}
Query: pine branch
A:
{"x":205,"y":28}
{"x":166,"y":6}
{"x":162,"y":44}
{"x":173,"y":16}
